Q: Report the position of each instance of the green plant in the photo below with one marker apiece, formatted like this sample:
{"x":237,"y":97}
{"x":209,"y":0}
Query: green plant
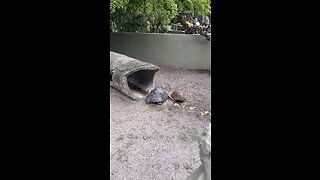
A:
{"x":151,"y":15}
{"x":190,"y":133}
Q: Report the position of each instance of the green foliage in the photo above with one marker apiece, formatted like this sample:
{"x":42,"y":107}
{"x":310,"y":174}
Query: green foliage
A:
{"x":160,"y":13}
{"x":126,"y":15}
{"x":151,"y":15}
{"x":190,"y":133}
{"x":194,"y":7}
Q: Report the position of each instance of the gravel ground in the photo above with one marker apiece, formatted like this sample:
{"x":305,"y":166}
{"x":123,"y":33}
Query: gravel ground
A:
{"x":159,"y":142}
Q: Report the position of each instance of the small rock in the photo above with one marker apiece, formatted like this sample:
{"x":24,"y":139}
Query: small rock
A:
{"x":176,"y":165}
{"x":204,"y":113}
{"x":191,"y":108}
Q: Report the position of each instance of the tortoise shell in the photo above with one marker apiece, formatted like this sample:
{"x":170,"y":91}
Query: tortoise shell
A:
{"x":157,"y":96}
{"x":178,"y":96}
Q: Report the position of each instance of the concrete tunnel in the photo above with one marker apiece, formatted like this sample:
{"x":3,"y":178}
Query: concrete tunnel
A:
{"x":130,"y":76}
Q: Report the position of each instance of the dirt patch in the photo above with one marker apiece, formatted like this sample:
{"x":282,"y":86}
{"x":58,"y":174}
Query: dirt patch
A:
{"x":160,"y":141}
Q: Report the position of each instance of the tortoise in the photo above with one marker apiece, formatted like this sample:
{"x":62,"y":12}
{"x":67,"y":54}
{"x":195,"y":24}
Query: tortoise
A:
{"x":157,"y":96}
{"x":178,"y":96}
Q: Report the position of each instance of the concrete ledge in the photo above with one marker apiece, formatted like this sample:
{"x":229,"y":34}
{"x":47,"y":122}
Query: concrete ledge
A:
{"x":167,"y":50}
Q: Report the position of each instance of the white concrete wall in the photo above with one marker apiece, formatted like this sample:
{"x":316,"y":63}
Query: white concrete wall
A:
{"x":168,"y":50}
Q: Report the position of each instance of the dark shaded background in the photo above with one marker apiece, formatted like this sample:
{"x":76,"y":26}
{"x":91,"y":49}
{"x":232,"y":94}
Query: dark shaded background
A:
{"x":55,"y":93}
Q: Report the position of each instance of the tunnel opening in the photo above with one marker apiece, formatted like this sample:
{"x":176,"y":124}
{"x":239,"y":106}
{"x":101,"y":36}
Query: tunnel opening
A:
{"x":141,"y":82}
